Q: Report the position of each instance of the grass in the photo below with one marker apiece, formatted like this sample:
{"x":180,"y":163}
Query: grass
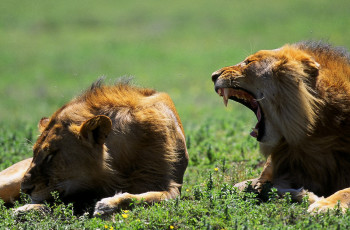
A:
{"x":51,"y":51}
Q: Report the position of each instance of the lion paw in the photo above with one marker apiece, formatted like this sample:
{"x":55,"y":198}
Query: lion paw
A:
{"x":108,"y":206}
{"x":323,"y":205}
{"x":32,"y":207}
{"x":105,"y":207}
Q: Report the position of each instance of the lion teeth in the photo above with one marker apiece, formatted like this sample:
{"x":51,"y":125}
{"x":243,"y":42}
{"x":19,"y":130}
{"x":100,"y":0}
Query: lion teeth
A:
{"x":255,"y":132}
{"x":226,"y":95}
{"x":226,"y":92}
{"x":225,"y":102}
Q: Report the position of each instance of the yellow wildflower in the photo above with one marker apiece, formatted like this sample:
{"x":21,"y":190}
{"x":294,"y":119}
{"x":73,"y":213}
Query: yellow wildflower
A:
{"x":172,"y":227}
{"x":125,"y":211}
{"x":106,"y":226}
{"x":125,"y":216}
{"x":187,"y":190}
{"x":216,"y":169}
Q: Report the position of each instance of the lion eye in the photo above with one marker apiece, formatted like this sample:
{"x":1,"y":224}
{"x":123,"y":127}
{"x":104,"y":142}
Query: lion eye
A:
{"x":48,"y":158}
{"x":248,"y":61}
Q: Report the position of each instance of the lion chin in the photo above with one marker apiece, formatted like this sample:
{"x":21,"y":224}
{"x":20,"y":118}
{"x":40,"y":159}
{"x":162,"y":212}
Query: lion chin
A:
{"x":300,"y":94}
{"x":115,"y":144}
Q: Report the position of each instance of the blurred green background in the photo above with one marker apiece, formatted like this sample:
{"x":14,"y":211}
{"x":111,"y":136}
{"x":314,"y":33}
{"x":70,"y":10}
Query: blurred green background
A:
{"x":52,"y":50}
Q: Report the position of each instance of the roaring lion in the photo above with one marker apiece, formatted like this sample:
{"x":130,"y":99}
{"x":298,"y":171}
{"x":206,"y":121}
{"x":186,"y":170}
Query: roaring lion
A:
{"x":300,"y":94}
{"x":120,"y":143}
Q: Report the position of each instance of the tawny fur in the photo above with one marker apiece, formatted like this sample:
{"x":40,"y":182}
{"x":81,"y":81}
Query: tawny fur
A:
{"x":110,"y":140}
{"x":11,"y":179}
{"x":306,"y":105}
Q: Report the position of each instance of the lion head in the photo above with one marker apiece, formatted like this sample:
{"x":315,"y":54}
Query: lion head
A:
{"x":68,"y":157}
{"x":277,"y":85}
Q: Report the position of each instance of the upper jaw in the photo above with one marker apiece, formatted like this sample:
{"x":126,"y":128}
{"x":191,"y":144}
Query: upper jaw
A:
{"x":238,"y":94}
{"x":226,"y":79}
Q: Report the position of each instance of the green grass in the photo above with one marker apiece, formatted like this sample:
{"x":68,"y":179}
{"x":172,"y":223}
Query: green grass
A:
{"x":51,"y":51}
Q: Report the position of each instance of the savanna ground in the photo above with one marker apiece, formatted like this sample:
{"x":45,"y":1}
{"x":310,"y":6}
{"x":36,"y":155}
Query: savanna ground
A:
{"x":51,"y":51}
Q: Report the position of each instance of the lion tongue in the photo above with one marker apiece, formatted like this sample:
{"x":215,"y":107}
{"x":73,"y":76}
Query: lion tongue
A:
{"x":255,"y":131}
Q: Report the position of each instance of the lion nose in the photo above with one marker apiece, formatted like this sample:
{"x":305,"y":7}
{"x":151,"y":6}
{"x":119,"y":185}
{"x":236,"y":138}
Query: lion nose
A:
{"x":27,"y":189}
{"x":216,"y":75}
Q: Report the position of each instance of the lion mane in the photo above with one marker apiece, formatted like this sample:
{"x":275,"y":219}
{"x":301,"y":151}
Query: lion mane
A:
{"x":118,"y":143}
{"x":300,"y":94}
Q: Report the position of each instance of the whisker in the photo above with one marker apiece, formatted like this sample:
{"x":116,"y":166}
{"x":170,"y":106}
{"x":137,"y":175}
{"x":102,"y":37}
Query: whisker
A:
{"x":259,"y":99}
{"x":28,"y":141}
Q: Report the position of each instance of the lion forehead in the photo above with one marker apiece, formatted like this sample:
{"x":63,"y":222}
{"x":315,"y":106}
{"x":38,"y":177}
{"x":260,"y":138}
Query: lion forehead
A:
{"x":50,"y":139}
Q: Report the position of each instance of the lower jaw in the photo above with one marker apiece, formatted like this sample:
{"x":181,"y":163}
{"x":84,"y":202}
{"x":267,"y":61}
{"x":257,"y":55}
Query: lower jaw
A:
{"x":261,"y":129}
{"x":261,"y":132}
{"x":259,"y":138}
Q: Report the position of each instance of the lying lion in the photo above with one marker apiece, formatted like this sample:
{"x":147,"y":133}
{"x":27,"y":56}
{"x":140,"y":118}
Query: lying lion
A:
{"x":118,"y":143}
{"x":300,"y":94}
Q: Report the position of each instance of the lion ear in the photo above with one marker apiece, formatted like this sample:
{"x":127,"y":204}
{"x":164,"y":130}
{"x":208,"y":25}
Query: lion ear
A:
{"x":43,"y":123}
{"x":96,"y":129}
{"x":311,"y":67}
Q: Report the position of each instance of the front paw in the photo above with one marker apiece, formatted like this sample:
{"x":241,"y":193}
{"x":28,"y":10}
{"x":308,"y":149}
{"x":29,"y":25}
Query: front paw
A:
{"x":32,"y":207}
{"x":248,"y":185}
{"x":323,"y":205}
{"x":106,"y":207}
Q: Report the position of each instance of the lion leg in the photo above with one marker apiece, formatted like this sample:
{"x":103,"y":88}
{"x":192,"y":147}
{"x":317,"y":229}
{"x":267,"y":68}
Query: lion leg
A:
{"x":110,"y":205}
{"x":298,"y":194}
{"x":339,"y":199}
{"x":265,"y":176}
{"x":11,"y":179}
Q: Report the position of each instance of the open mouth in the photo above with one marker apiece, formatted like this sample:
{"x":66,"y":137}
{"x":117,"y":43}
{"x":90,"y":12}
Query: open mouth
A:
{"x":248,"y":100}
